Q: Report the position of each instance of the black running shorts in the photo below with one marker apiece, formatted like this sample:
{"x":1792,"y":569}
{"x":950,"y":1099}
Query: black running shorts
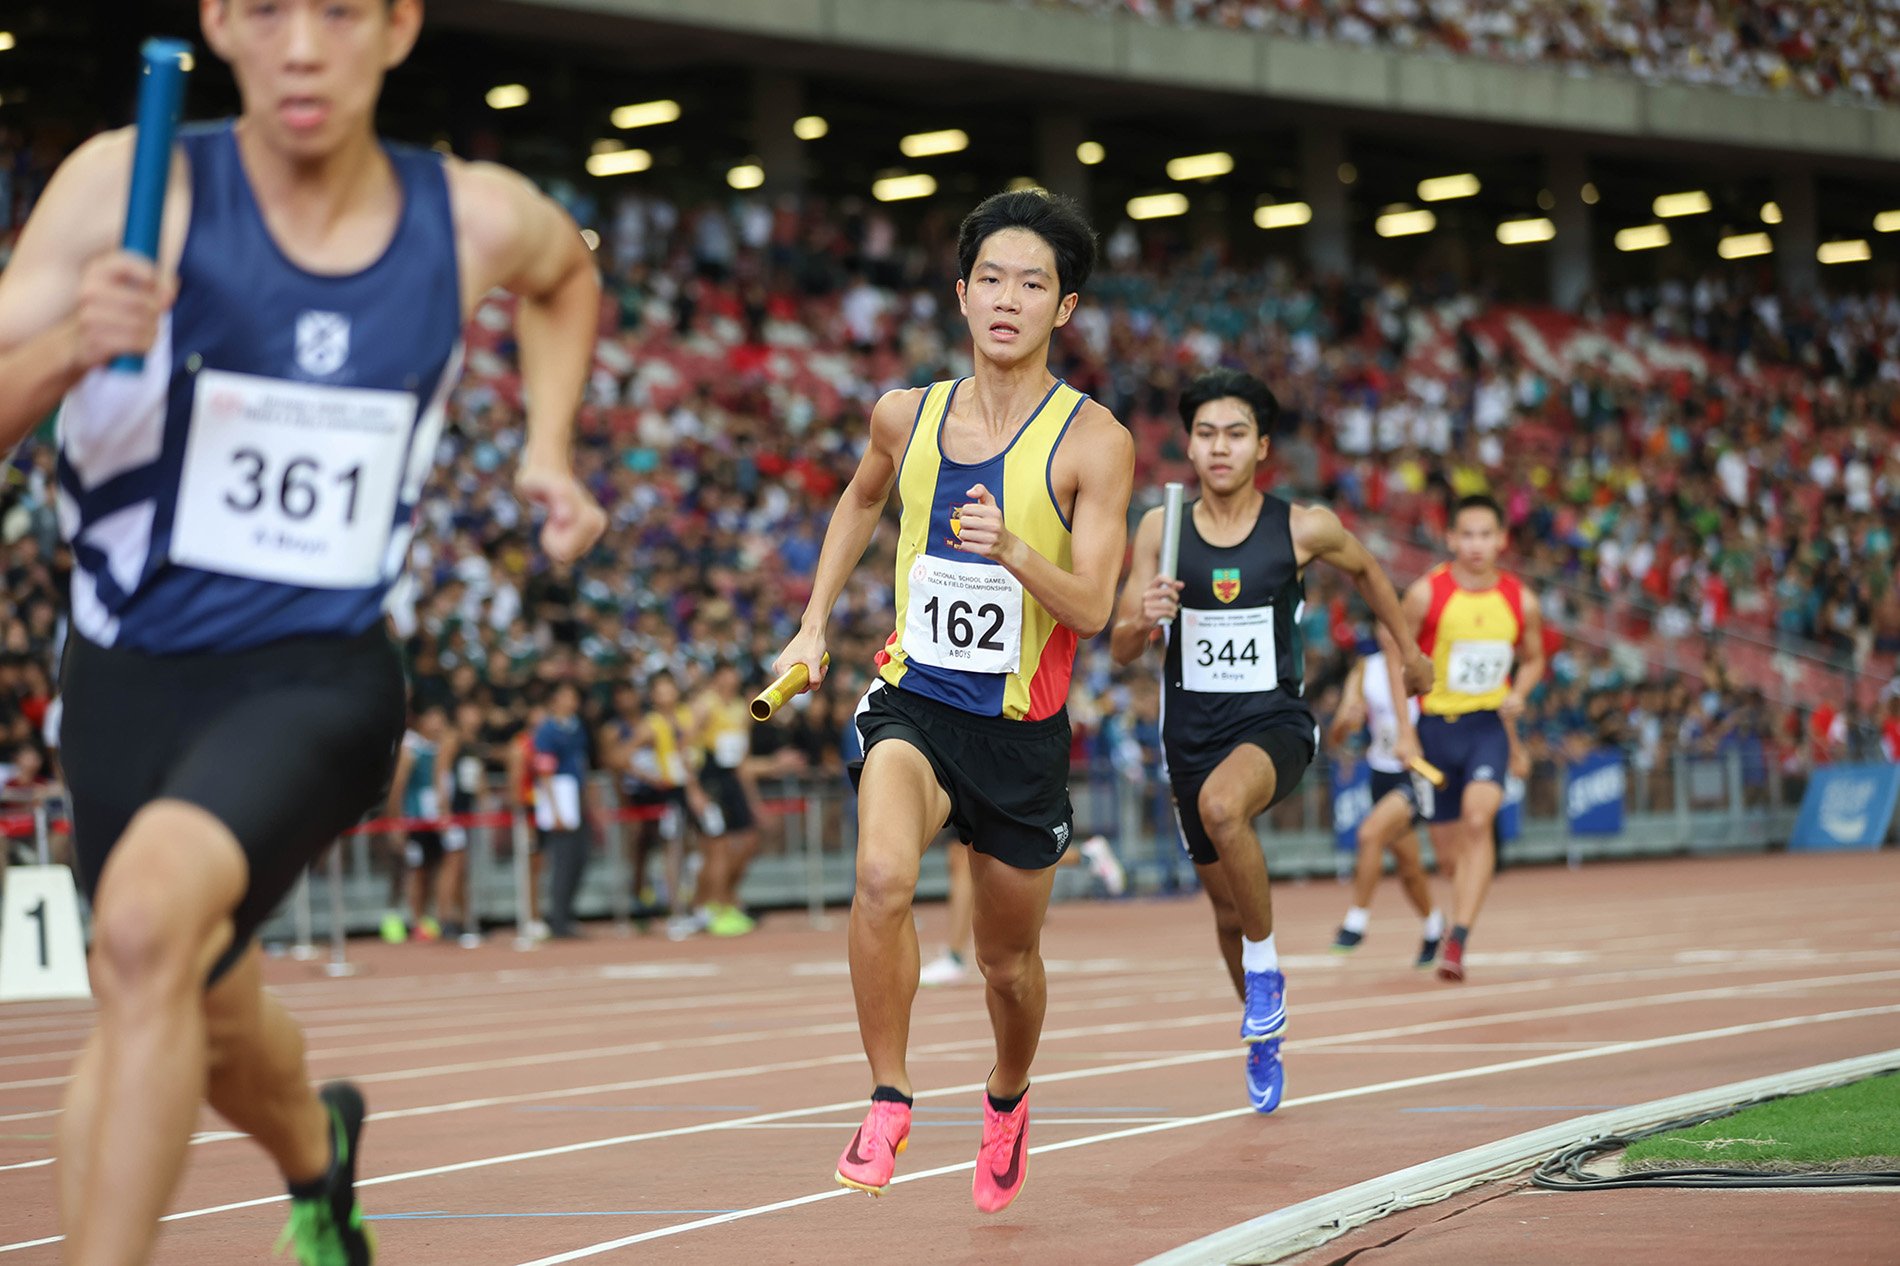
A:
{"x":1384,"y":784}
{"x":1008,"y":781}
{"x":723,"y":788}
{"x":287,"y":745}
{"x":1288,"y":746}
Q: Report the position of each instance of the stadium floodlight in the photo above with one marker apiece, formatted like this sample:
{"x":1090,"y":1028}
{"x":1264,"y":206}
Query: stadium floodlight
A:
{"x":6,"y":41}
{"x":645,"y":114}
{"x":1524,"y":232}
{"x":507,"y":96}
{"x":1744,"y":246}
{"x":1644,"y":237}
{"x":1089,"y":153}
{"x":950,"y":140}
{"x":618,"y":162}
{"x":1157,"y":206}
{"x":1282,"y":215}
{"x":1200,"y":166}
{"x":1445,"y":188}
{"x":810,"y":127}
{"x":1887,"y":222}
{"x":746,"y":176}
{"x":902,"y":188}
{"x":1852,"y":251}
{"x":1400,"y":222}
{"x":1694,"y":202}
{"x":1771,"y":213}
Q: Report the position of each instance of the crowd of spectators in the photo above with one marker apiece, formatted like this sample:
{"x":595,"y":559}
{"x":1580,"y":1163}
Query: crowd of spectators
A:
{"x":1817,"y":48}
{"x":1689,"y":466}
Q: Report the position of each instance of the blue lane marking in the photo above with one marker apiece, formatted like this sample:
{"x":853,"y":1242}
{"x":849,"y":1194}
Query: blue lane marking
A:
{"x":438,"y":1215}
{"x":1528,"y":1107}
{"x":639,"y":1107}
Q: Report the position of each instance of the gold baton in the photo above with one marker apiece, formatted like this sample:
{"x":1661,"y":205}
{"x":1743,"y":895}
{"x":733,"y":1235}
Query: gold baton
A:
{"x":792,"y":682}
{"x":1426,"y":770}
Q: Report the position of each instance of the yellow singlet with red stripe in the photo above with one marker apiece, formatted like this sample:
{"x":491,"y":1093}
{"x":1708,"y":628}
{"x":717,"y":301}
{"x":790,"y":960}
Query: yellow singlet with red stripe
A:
{"x":967,"y":633}
{"x":1471,"y":636}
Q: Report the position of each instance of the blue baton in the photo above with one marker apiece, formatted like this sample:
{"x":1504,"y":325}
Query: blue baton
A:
{"x":161,"y":92}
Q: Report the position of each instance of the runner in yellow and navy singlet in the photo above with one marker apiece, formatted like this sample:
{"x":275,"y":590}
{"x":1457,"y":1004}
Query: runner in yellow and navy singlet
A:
{"x":1014,"y":487}
{"x":1475,"y":620}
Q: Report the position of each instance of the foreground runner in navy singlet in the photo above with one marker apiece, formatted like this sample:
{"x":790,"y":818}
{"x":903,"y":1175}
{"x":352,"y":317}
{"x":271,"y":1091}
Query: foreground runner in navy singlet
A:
{"x":1235,"y":725}
{"x":237,"y":511}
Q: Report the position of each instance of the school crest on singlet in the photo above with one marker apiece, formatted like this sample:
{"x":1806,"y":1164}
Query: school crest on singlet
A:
{"x":1227,"y":583}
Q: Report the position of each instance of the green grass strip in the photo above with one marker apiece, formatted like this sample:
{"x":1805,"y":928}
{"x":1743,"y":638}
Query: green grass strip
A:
{"x":1826,"y":1126}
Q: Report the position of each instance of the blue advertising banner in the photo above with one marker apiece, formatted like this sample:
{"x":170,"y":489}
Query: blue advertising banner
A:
{"x":1352,"y":801}
{"x":1593,"y":794}
{"x":1846,"y":807}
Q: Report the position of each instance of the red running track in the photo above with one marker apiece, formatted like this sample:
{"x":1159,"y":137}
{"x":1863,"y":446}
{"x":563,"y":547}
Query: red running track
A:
{"x":687,"y":1102}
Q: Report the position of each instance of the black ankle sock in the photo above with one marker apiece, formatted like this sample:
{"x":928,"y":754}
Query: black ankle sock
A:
{"x":1458,"y":934}
{"x":887,"y":1094}
{"x":315,"y":1189}
{"x":319,"y":1186}
{"x":1005,"y":1105}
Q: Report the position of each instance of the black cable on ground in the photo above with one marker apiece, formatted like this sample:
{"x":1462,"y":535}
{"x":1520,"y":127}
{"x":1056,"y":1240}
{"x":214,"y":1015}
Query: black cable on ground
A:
{"x":1565,"y":1171}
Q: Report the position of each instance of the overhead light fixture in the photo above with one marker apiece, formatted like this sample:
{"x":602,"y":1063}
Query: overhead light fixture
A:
{"x":902,"y":188}
{"x":618,"y":162}
{"x":1855,"y":251}
{"x":507,"y":96}
{"x":1546,"y":200}
{"x":6,"y":40}
{"x":746,"y":176}
{"x":1022,"y":184}
{"x":1771,"y":213}
{"x":1282,"y":215}
{"x":1445,"y":188}
{"x":591,"y":238}
{"x":1887,"y":222}
{"x":1589,"y":193}
{"x":1744,"y":246}
{"x":1694,"y":202}
{"x":950,"y":140}
{"x":1089,"y":153}
{"x":1157,"y":206}
{"x":810,"y":127}
{"x":1200,"y":166}
{"x":1524,"y":232}
{"x":1348,"y":173}
{"x":645,"y":114}
{"x":1644,"y":237}
{"x":1404,"y":223}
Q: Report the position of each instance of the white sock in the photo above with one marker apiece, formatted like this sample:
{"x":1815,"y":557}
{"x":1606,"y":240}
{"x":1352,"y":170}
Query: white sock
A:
{"x":1356,"y":919}
{"x":1434,"y":925}
{"x":1259,"y":955}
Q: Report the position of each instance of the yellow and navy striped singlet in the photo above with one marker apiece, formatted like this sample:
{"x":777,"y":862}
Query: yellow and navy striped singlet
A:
{"x":967,"y":633}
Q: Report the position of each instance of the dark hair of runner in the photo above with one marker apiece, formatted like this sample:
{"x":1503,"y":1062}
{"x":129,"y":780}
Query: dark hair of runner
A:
{"x":1056,"y":218}
{"x":1478,"y":501}
{"x":1223,"y":384}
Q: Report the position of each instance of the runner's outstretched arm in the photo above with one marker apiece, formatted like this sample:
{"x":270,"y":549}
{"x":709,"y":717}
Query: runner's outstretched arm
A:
{"x":1319,"y":536}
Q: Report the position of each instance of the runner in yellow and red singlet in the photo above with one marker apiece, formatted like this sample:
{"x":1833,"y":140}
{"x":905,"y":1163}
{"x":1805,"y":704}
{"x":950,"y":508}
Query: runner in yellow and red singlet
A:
{"x":1476,"y":621}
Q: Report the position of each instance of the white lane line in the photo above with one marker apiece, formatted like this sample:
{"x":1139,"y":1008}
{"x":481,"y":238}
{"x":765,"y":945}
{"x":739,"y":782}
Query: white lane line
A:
{"x":1463,"y":1074}
{"x":1195,"y":1057}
